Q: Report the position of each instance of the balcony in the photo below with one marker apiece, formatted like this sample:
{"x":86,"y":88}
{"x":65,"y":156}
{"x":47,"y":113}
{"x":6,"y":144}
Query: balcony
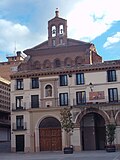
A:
{"x":20,"y":108}
{"x":18,"y":88}
{"x":97,"y":102}
{"x":55,"y":102}
{"x":21,"y":127}
{"x":104,"y":102}
{"x":4,"y":122}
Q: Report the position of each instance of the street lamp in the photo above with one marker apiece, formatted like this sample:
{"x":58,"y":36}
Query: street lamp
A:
{"x":91,"y":86}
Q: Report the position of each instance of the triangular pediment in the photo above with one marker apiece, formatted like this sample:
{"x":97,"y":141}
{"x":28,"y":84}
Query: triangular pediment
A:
{"x":70,"y":42}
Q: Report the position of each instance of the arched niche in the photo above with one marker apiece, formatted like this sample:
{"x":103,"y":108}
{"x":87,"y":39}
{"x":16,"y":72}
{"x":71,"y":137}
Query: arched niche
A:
{"x":36,"y":65}
{"x":78,"y":61}
{"x":46,"y":64}
{"x":57,"y":63}
{"x":67,"y":62}
{"x":48,"y":90}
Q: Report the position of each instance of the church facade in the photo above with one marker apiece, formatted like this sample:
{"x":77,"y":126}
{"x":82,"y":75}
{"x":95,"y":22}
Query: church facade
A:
{"x":59,"y":73}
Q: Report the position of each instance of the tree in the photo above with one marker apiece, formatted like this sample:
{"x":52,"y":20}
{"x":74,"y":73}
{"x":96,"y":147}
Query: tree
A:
{"x":110,"y":133}
{"x":110,"y":136}
{"x":67,"y":123}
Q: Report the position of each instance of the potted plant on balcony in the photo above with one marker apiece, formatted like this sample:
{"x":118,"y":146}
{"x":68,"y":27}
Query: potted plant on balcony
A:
{"x":68,"y":126}
{"x":110,"y":137}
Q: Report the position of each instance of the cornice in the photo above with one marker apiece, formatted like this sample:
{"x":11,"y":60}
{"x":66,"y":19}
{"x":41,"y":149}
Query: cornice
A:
{"x":71,"y":70}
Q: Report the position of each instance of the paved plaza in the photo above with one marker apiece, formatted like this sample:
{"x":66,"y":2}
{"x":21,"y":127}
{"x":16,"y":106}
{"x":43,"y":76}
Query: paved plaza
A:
{"x":86,"y":155}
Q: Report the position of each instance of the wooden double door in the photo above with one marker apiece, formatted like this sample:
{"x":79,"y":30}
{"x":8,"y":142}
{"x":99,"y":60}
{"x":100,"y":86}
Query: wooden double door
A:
{"x":50,"y":139}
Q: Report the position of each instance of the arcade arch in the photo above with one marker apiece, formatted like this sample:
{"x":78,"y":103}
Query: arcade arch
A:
{"x":92,"y":125}
{"x":50,"y":135}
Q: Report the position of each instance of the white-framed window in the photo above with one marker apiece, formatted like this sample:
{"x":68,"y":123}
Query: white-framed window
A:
{"x":63,"y":99}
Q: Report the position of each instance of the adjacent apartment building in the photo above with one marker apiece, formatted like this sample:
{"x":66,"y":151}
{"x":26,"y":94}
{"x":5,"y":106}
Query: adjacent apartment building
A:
{"x":6,"y":69}
{"x":58,"y":73}
{"x":4,"y":110}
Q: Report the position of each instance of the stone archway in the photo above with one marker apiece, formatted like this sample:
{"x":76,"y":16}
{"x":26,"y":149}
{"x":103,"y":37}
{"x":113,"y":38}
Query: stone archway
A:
{"x":92,"y":128}
{"x":50,"y":135}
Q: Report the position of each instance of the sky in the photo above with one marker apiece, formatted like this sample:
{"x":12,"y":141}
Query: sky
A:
{"x":24,"y":24}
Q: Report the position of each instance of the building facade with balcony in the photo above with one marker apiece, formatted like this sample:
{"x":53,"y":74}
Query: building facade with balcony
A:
{"x":6,"y":69}
{"x":58,"y":73}
{"x":4,"y":110}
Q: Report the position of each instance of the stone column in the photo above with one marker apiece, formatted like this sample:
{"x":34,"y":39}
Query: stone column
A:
{"x":75,"y":139}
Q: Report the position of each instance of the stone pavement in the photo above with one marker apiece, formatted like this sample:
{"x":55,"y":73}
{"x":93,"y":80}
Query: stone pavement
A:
{"x":84,"y":155}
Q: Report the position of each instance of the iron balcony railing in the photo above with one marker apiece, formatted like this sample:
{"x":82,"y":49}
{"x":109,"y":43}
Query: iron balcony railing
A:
{"x":4,"y":121}
{"x":87,"y":102}
{"x":96,"y":102}
{"x":44,"y":103}
{"x":18,"y":108}
{"x":21,"y":127}
{"x":18,"y":88}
